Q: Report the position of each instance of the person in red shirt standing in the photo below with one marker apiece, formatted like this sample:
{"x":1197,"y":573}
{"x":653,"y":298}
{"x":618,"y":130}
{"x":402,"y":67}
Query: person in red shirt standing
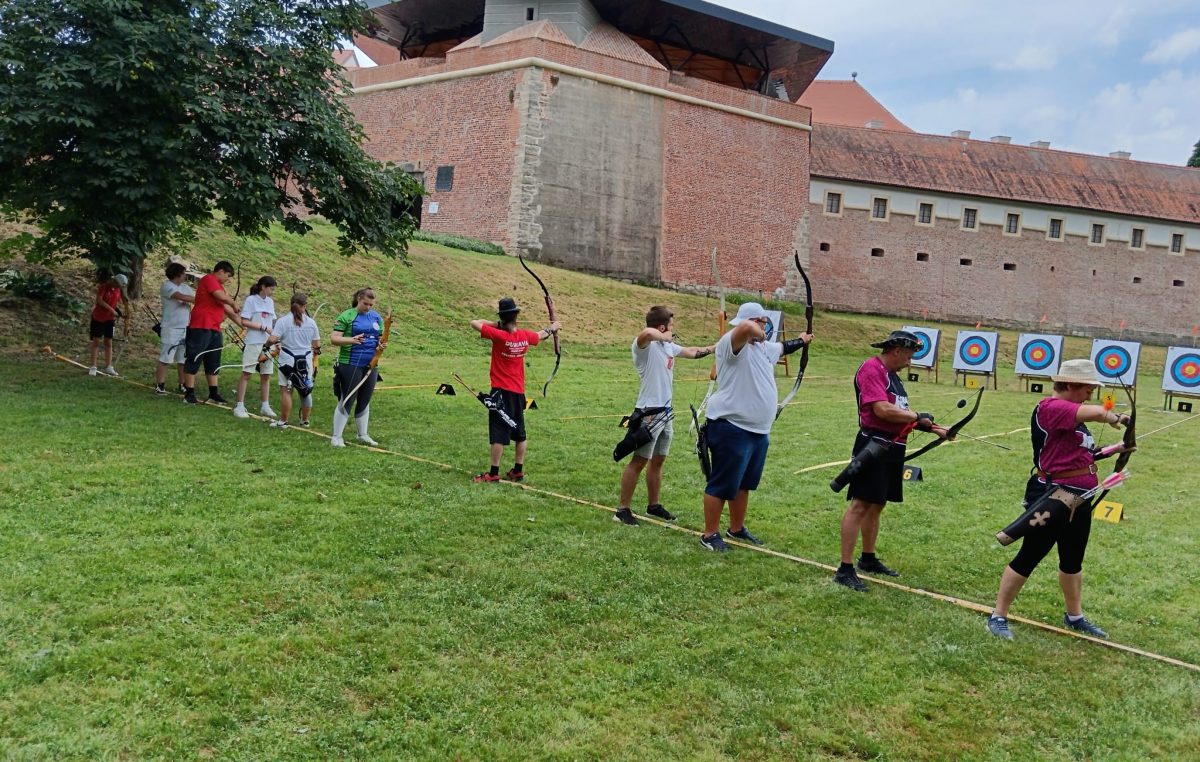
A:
{"x":203,"y":339}
{"x":509,"y":345}
{"x":105,"y":311}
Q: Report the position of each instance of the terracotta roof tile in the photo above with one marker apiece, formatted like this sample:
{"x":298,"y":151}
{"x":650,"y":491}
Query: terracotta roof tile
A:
{"x":847,"y":103}
{"x":542,"y":30}
{"x":607,"y":40}
{"x":1006,"y":171}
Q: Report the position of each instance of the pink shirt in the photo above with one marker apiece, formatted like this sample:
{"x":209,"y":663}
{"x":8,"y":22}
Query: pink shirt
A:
{"x":1060,"y":443}
{"x":875,"y":383}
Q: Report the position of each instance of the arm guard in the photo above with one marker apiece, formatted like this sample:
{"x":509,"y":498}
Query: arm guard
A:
{"x":791,"y":345}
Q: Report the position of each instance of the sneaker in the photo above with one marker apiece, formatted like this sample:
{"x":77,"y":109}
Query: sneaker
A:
{"x":217,"y":398}
{"x":658,"y":512}
{"x":92,"y":371}
{"x":713,"y":542}
{"x":876,"y":567}
{"x":337,"y":442}
{"x":744,"y":535}
{"x":998,"y":626}
{"x":1084,"y":626}
{"x":485,"y":478}
{"x":625,"y":516}
{"x":279,"y":424}
{"x":850,"y":579}
{"x":160,"y":389}
{"x":367,"y":440}
{"x":189,"y":399}
{"x":267,"y":411}
{"x":306,"y":424}
{"x":181,"y":390}
{"x":515,"y":476}
{"x":111,"y":371}
{"x":239,"y":411}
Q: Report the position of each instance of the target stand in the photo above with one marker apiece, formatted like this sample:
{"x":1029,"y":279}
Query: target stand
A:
{"x":1041,"y":382}
{"x":1181,"y":377}
{"x":1184,"y":407}
{"x":970,"y":378}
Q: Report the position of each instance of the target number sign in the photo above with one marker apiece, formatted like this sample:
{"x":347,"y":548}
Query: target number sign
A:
{"x":1038,"y":354}
{"x":1117,"y":361}
{"x":926,"y":356}
{"x":1181,"y":373}
{"x":975,"y":351}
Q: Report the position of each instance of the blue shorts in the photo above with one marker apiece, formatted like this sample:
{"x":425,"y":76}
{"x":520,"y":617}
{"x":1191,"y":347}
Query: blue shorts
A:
{"x":738,"y":457}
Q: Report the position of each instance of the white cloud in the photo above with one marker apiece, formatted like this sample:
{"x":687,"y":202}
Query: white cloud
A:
{"x":1175,"y":48}
{"x":1031,"y":58}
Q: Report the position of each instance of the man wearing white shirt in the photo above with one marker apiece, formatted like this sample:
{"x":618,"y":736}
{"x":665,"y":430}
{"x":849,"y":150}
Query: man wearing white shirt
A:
{"x":177,"y":301}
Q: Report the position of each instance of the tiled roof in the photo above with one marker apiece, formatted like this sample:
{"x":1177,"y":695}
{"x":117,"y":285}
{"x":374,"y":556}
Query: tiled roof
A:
{"x":847,"y":103}
{"x":379,"y":51}
{"x":607,"y":40}
{"x":542,"y":30}
{"x":1006,"y":171}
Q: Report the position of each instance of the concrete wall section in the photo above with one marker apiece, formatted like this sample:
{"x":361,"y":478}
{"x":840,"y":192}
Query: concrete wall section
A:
{"x":591,"y":197}
{"x":576,"y":18}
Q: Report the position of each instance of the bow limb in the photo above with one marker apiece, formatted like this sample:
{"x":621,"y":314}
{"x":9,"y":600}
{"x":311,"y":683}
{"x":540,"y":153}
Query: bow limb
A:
{"x":1129,"y":440}
{"x":553,"y":319}
{"x":808,"y":320}
{"x":951,"y":432}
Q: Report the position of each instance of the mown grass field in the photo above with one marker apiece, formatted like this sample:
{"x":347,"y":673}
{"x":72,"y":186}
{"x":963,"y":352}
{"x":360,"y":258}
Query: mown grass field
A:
{"x":175,"y":583}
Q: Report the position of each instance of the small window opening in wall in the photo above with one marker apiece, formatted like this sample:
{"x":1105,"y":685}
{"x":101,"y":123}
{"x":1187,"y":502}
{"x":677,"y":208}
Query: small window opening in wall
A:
{"x":1012,"y":224}
{"x":925,"y":214}
{"x":1093,"y":273}
{"x":1177,"y":283}
{"x":530,"y":13}
{"x":1136,"y":237}
{"x":1010,"y":267}
{"x":1136,"y":279}
{"x":1176,"y":243}
{"x":824,"y":247}
{"x":965,"y":262}
{"x":879,"y":209}
{"x":1097,"y":233}
{"x":445,"y":179}
{"x":833,"y":203}
{"x":969,"y":218}
{"x":922,"y":256}
{"x":1055,"y":231}
{"x":1051,"y":268}
{"x":877,"y":252}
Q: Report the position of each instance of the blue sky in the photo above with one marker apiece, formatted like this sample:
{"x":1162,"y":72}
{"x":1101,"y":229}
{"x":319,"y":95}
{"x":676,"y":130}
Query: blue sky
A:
{"x":1092,"y":77}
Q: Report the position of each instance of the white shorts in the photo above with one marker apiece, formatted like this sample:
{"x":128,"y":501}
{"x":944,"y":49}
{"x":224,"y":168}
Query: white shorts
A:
{"x":172,"y":347}
{"x":250,"y":363}
{"x":660,"y":446}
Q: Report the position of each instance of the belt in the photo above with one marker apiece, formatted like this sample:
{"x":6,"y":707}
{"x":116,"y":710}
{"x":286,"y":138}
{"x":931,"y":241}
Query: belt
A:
{"x":1065,"y":474}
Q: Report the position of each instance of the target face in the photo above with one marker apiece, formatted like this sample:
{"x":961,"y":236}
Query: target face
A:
{"x":974,"y":351}
{"x":1113,"y":362}
{"x":926,"y":345}
{"x":769,"y":327}
{"x":1038,"y":354}
{"x":1185,"y":370}
{"x":927,"y":355}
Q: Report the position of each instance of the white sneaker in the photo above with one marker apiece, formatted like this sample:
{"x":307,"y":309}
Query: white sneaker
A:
{"x":110,"y":370}
{"x":92,"y":371}
{"x":337,"y":442}
{"x":240,"y":412}
{"x":267,"y":411}
{"x":279,"y":424}
{"x":367,"y":440}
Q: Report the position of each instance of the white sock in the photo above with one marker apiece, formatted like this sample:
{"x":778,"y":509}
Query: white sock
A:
{"x":340,"y":420}
{"x":361,"y":422}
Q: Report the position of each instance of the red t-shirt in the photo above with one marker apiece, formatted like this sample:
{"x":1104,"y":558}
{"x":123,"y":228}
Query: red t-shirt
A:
{"x":110,"y":294}
{"x":207,"y":313}
{"x":1060,"y":443}
{"x":875,"y":383}
{"x":508,"y":356}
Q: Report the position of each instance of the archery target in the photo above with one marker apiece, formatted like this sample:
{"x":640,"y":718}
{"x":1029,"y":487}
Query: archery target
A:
{"x":926,"y":356}
{"x":774,"y":321}
{"x":1038,"y":354}
{"x":1182,"y":371}
{"x":1116,"y":361}
{"x":975,"y":351}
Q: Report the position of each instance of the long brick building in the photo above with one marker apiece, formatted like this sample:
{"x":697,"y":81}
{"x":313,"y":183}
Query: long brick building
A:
{"x":623,"y":137}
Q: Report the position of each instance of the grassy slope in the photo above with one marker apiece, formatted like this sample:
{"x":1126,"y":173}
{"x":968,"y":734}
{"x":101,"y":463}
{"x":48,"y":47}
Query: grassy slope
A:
{"x":177,"y":583}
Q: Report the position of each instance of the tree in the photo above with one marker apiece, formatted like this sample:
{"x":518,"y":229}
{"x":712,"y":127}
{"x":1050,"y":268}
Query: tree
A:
{"x":1195,"y":160}
{"x":125,"y":124}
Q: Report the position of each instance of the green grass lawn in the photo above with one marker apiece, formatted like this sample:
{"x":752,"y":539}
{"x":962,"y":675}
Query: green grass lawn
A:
{"x":176,"y":583}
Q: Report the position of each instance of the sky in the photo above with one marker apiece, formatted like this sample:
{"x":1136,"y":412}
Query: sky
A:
{"x":1092,"y":77}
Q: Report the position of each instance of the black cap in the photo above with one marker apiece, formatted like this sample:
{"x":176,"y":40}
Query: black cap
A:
{"x":508,"y":306}
{"x":904,"y":339}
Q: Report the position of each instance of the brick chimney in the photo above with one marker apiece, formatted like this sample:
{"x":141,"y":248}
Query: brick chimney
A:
{"x":1040,"y":144}
{"x":1005,"y":139}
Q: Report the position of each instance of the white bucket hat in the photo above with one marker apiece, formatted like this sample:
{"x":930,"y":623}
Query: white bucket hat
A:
{"x":748,"y":311}
{"x":121,"y":279}
{"x":1078,"y":372}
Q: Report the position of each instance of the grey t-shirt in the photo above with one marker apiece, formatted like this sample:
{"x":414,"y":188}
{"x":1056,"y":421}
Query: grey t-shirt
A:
{"x":746,"y":394}
{"x":175,"y":314}
{"x":656,"y":367}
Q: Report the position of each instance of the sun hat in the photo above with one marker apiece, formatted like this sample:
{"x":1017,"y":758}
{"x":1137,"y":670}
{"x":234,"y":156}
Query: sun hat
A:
{"x":508,"y":306}
{"x":748,"y":311}
{"x":1078,"y":372}
{"x":905,"y":339}
{"x":121,"y":279}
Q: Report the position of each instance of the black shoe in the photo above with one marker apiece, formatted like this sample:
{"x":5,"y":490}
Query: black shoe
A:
{"x":514,"y":476}
{"x":658,"y":512}
{"x":713,"y":542}
{"x":744,"y":535}
{"x":182,"y":389}
{"x":160,"y":389}
{"x":217,"y":398}
{"x":998,"y":626}
{"x":625,"y":516}
{"x":190,"y":399}
{"x":875,"y":566}
{"x":849,"y":579}
{"x":1084,"y":626}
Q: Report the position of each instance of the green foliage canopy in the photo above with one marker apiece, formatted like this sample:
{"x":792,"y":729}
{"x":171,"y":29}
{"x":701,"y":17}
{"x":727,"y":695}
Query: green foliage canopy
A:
{"x":124,"y":124}
{"x":1195,"y":160}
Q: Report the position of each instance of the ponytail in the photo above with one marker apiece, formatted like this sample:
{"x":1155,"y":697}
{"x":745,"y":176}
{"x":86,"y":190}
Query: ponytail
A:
{"x":359,"y":294}
{"x":265,"y":281}
{"x":299,"y":301}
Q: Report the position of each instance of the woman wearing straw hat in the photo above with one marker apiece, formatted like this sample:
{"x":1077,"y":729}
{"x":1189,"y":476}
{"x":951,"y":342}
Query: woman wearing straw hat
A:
{"x":1064,"y":458}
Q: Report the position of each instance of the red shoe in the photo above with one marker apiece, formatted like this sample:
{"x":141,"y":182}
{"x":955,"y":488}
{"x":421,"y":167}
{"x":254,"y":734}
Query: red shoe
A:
{"x":486,"y":477}
{"x":514,"y":476}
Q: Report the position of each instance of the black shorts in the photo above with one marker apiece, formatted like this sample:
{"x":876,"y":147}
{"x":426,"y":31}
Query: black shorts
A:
{"x":500,"y":432}
{"x":99,"y":330}
{"x":879,"y":482}
{"x":200,"y":341}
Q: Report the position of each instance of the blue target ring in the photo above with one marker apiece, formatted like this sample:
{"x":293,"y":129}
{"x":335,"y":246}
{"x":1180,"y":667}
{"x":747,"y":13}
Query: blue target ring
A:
{"x":975,"y":351}
{"x":1113,"y":362}
{"x":1185,"y":370}
{"x":1038,"y":354}
{"x":769,"y":328}
{"x":926,"y":345}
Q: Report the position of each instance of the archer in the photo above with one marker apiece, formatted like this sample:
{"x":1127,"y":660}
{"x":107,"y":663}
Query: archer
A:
{"x":362,"y":333}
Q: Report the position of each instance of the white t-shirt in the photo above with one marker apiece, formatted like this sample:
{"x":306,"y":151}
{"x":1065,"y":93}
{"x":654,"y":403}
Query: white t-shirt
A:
{"x":175,"y":314}
{"x":746,"y":394}
{"x":260,"y":310}
{"x":295,"y":339}
{"x":656,"y":367}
